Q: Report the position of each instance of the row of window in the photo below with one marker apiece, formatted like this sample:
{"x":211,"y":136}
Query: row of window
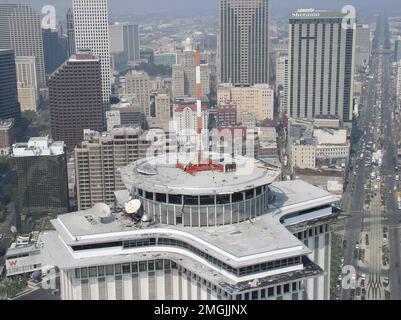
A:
{"x":262,"y":267}
{"x":203,"y":200}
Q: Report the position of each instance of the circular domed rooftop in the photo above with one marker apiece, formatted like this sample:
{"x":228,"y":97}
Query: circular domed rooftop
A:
{"x":161,"y":174}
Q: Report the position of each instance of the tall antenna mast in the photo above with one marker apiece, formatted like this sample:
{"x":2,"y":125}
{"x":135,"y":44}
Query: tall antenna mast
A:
{"x":198,"y":91}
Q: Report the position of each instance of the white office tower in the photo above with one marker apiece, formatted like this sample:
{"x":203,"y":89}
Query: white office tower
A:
{"x":221,"y":230}
{"x":244,"y":41}
{"x":91,"y":26}
{"x":320,"y":64}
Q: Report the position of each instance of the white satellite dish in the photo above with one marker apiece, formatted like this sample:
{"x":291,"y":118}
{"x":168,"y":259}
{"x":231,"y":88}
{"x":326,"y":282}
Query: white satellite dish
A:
{"x":13,"y":230}
{"x":133,"y":206}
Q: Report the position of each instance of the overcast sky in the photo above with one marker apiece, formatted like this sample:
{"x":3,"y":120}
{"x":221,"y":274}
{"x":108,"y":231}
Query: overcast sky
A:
{"x":186,"y":7}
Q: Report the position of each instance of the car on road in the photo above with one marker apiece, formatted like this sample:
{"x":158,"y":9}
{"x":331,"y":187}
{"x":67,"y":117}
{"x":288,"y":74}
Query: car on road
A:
{"x":367,"y":240}
{"x":357,"y":245}
{"x":344,"y":244}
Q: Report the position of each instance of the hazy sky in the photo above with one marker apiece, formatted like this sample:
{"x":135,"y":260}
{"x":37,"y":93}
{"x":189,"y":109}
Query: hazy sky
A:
{"x":186,"y":7}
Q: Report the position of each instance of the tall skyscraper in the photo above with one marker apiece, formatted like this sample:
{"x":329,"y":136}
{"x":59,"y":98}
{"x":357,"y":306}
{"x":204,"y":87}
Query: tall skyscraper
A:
{"x":244,"y":41}
{"x":124,"y":38}
{"x":75,"y":99}
{"x":320,"y":64}
{"x":91,"y":25}
{"x":9,"y":105}
{"x":27,"y":81}
{"x":131,"y":42}
{"x":397,"y":50}
{"x":70,"y":33}
{"x":21,"y":31}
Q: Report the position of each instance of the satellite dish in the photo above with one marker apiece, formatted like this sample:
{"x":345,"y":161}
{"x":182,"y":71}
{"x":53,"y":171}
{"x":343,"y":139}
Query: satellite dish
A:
{"x":146,"y":218}
{"x":13,"y":230}
{"x":133,"y":206}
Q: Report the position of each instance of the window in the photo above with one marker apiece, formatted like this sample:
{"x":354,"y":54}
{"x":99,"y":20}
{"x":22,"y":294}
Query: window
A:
{"x":92,"y":272}
{"x":263,"y":293}
{"x":142,"y":266}
{"x":110,"y":270}
{"x":174,"y":199}
{"x":287,"y":288}
{"x":84,"y":272}
{"x":270,"y":292}
{"x":238,"y":196}
{"x":126,"y":268}
{"x":191,"y":200}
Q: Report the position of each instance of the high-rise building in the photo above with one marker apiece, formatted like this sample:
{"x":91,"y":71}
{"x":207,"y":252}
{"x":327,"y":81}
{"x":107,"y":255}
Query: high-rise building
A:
{"x":397,"y":50}
{"x":70,"y":32}
{"x":27,"y":81}
{"x":244,"y":41}
{"x":320,"y":65}
{"x":131,"y":42}
{"x":98,"y":160}
{"x":116,"y":38}
{"x":138,"y":83}
{"x":75,"y":98}
{"x":55,"y":49}
{"x":40,"y":174}
{"x":256,"y":101}
{"x":124,"y":38}
{"x":91,"y":26}
{"x":21,"y":31}
{"x":282,"y":81}
{"x":184,"y":74}
{"x":9,"y":105}
{"x":362,"y":45}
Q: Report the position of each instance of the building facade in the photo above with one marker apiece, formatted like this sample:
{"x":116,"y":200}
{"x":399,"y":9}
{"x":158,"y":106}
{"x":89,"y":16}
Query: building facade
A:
{"x":91,"y":29}
{"x":22,"y":32}
{"x":138,"y":84}
{"x":257,"y":100}
{"x":27,"y":81}
{"x":185,"y":122}
{"x":75,"y":99}
{"x":98,"y":160}
{"x":55,"y":49}
{"x":320,"y":65}
{"x":363,"y":45}
{"x":70,"y":32}
{"x":9,"y":105}
{"x":244,"y":41}
{"x":40,"y":178}
{"x":284,"y":254}
{"x":184,"y":74}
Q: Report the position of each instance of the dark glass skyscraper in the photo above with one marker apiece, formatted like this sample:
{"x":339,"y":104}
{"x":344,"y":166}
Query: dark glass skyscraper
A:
{"x":55,"y":50}
{"x":244,"y":42}
{"x":9,"y":105}
{"x":40,"y":179}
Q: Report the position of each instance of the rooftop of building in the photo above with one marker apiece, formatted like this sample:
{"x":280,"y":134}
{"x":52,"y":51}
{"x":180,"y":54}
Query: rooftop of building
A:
{"x":161,"y":174}
{"x":38,"y":146}
{"x":248,"y":242}
{"x":6,"y":124}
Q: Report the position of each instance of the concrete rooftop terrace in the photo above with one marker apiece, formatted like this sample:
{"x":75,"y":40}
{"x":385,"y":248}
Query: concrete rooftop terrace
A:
{"x":160,"y":174}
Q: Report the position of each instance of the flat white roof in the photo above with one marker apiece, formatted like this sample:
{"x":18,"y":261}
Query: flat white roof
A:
{"x":160,"y":174}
